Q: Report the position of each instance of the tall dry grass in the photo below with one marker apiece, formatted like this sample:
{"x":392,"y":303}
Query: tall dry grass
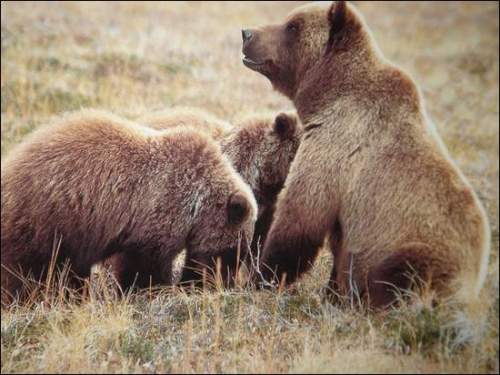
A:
{"x":136,"y":57}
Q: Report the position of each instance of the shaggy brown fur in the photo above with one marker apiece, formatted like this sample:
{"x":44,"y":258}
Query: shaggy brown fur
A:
{"x":261,"y":147}
{"x":371,"y":171}
{"x":94,"y":184}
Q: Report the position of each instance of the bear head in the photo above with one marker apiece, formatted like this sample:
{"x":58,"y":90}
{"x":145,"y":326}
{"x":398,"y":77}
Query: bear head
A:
{"x":261,"y":148}
{"x":287,"y":52}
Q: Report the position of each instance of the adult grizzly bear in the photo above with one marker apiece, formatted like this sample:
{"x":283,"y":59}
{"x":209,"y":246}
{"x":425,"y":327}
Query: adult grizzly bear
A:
{"x":371,"y":172}
{"x":93,"y":184}
{"x":261,"y":148}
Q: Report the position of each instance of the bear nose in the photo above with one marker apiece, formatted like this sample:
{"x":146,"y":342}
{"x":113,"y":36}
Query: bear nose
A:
{"x":247,"y":35}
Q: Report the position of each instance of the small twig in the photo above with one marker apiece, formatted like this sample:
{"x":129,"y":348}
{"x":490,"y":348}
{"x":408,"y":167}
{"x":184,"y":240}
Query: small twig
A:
{"x":255,"y":261}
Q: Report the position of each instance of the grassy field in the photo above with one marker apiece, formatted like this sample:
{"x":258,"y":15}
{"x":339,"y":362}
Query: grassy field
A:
{"x":136,"y":57}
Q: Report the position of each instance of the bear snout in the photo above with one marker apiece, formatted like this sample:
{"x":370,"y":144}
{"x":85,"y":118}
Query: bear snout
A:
{"x":246,"y":35}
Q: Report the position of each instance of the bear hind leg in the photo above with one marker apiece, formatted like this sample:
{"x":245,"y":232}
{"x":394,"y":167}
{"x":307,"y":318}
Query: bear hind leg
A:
{"x":409,"y":268}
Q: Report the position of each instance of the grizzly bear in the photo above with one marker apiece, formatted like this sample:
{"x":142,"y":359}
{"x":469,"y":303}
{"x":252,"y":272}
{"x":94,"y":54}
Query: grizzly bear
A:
{"x":261,"y":148}
{"x":94,"y":184}
{"x":371,"y":172}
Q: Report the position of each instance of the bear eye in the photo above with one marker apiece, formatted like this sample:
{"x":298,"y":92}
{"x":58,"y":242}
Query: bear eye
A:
{"x":292,"y":28}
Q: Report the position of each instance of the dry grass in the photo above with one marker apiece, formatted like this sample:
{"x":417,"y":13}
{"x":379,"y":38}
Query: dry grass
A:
{"x":136,"y":57}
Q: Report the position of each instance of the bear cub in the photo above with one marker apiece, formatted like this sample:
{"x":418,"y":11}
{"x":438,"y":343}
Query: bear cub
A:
{"x":94,"y":184}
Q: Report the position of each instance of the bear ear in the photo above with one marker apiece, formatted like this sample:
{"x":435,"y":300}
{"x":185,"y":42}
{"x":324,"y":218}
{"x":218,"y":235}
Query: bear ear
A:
{"x":284,"y":125}
{"x":336,"y":16}
{"x":238,"y":208}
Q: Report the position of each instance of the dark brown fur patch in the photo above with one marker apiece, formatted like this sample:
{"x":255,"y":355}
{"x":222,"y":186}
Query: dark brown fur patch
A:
{"x":290,"y":255}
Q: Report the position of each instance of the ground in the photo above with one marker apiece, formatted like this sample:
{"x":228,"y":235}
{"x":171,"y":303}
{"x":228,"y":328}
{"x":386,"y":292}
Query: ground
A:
{"x":135,"y":57}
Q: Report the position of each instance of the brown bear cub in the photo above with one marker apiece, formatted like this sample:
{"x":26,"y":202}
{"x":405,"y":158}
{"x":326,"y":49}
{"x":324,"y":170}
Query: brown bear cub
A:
{"x":261,"y":148}
{"x":94,"y":184}
{"x":371,"y":172}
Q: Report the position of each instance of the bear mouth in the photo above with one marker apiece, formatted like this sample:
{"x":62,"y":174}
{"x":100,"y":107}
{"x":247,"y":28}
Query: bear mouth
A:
{"x":254,"y":65}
